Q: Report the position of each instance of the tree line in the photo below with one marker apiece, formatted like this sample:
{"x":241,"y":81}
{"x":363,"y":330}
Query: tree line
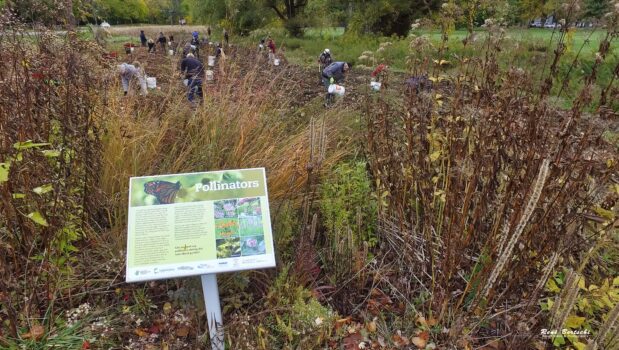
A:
{"x":385,"y":17}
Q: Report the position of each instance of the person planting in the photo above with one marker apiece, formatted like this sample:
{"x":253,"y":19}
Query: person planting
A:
{"x":271,"y":46}
{"x":324,"y":60}
{"x":151,"y":45}
{"x":195,"y":43}
{"x":379,"y":73}
{"x":162,"y":41}
{"x":193,"y":70}
{"x":127,"y":72}
{"x":334,"y":73}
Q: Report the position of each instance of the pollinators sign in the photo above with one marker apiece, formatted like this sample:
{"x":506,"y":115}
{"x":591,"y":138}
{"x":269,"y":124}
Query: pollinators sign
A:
{"x":198,"y":223}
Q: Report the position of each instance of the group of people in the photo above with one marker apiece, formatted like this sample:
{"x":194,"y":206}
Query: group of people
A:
{"x":162,"y":41}
{"x":193,"y":71}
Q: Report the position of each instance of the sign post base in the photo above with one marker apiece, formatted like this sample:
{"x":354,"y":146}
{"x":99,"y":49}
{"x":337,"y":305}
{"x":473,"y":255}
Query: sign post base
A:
{"x":213,"y":310}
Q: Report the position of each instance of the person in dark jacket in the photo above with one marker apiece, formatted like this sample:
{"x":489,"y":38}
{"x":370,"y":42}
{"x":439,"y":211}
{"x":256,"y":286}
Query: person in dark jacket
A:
{"x":143,"y":39}
{"x":334,"y":73}
{"x":193,"y":71}
{"x":162,"y":41}
{"x":226,"y":37}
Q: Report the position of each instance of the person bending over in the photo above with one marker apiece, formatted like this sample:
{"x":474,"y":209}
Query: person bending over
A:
{"x":334,"y":73}
{"x":127,"y":72}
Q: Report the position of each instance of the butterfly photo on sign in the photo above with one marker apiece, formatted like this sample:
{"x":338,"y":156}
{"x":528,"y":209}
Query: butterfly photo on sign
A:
{"x":164,"y":191}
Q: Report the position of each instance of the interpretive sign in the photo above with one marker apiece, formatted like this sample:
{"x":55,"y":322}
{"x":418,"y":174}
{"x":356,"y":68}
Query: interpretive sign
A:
{"x":198,"y":223}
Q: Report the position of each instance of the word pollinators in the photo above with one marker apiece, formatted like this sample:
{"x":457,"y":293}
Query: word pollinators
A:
{"x":222,"y":186}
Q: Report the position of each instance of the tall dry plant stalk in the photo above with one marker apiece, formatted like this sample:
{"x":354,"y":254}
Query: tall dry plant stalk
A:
{"x":564,"y":304}
{"x":506,"y":253}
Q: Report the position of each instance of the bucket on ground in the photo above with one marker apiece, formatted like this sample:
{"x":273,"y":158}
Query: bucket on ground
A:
{"x":151,"y":82}
{"x":171,"y":52}
{"x":211,"y":61}
{"x":336,"y":89}
{"x":276,"y":62}
{"x":375,"y":85}
{"x":210,"y":75}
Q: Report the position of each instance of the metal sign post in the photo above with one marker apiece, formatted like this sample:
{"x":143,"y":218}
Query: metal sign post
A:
{"x":213,"y":310}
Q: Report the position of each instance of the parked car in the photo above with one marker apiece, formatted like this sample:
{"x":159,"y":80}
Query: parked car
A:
{"x":537,"y":23}
{"x":104,"y":24}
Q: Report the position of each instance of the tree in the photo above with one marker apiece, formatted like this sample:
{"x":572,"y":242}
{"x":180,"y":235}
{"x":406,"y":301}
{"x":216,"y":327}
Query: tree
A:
{"x":596,"y":8}
{"x":240,"y":16}
{"x":290,"y":12}
{"x":388,"y":16}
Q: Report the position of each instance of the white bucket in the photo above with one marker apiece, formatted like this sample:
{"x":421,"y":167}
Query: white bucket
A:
{"x":375,"y":85}
{"x":151,"y":82}
{"x":131,"y":49}
{"x":210,"y":75}
{"x":276,"y":62}
{"x":211,"y":61}
{"x":336,"y":89}
{"x":171,"y":52}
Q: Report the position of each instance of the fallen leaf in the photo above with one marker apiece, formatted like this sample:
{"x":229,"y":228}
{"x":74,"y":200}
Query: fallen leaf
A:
{"x":154,"y":329}
{"x":399,"y":340}
{"x":425,"y":335}
{"x":182,"y":331}
{"x":140,"y":332}
{"x":492,"y":345}
{"x":36,"y":333}
{"x":341,"y":322}
{"x":85,"y":345}
{"x":432,"y":322}
{"x":419,"y":342}
{"x":371,"y":327}
{"x":352,"y":341}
